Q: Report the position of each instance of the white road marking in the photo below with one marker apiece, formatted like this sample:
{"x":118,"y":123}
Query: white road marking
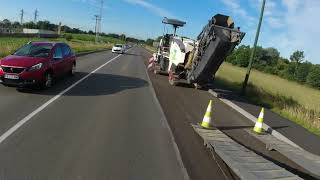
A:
{"x":39,"y":109}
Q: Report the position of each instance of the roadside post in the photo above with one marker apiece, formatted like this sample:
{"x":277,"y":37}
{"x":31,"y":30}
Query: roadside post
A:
{"x":245,"y":83}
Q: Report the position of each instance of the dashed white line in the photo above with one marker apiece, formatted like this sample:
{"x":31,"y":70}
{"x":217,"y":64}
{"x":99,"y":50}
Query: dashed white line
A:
{"x":4,"y":136}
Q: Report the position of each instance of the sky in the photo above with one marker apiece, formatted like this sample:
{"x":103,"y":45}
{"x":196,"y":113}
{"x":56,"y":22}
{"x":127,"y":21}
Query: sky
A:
{"x":288,"y":25}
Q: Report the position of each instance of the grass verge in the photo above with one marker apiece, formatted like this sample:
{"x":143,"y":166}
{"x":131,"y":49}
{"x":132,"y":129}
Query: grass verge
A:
{"x":150,"y":48}
{"x":79,"y":43}
{"x":291,"y":100}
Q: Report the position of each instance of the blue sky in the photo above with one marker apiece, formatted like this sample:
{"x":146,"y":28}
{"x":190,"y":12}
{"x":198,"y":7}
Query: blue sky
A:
{"x":287,"y":24}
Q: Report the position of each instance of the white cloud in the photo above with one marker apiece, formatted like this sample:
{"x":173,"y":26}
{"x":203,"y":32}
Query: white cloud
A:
{"x":291,"y":5}
{"x":272,"y":12}
{"x":304,"y":29}
{"x":275,"y":22}
{"x":151,"y":7}
{"x":293,"y":27}
{"x":234,"y":6}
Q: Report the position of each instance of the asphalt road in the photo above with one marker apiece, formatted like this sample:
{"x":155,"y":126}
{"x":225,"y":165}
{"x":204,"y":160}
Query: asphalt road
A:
{"x":183,"y":105}
{"x":106,"y":123}
{"x":108,"y":126}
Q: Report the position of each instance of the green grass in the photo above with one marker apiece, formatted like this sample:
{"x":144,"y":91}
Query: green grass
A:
{"x":79,"y":43}
{"x":150,"y":48}
{"x":294,"y":101}
{"x":89,"y":37}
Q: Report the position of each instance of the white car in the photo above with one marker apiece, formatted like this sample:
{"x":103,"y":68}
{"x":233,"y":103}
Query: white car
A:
{"x":118,"y":48}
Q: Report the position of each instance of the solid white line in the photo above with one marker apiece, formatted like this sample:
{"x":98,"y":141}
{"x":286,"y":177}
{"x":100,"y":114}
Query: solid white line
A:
{"x":164,"y":118}
{"x":252,"y":118}
{"x":39,"y":109}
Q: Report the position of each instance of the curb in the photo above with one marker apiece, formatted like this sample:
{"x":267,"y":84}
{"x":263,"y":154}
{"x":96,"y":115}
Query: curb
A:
{"x":253,"y":119}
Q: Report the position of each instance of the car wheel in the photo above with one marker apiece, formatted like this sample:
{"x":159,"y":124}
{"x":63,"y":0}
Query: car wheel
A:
{"x":73,"y":69}
{"x":48,"y":80}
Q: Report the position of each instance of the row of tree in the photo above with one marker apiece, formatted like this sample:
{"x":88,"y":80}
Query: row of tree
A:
{"x":268,"y":60}
{"x":47,"y":25}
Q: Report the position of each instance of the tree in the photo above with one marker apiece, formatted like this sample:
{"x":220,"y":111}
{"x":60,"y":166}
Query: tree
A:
{"x":90,"y":32}
{"x":290,"y":71}
{"x":240,"y":56}
{"x":6,"y":23}
{"x":243,"y":55}
{"x":260,"y":58}
{"x":149,"y":42}
{"x":30,"y":25}
{"x":43,"y":25}
{"x":16,"y":25}
{"x":297,"y":57}
{"x":302,"y":71}
{"x":113,"y":35}
{"x":272,"y":56}
{"x":313,"y":77}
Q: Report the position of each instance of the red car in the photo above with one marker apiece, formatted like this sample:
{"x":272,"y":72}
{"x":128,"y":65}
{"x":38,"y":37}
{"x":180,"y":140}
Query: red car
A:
{"x":37,"y":63}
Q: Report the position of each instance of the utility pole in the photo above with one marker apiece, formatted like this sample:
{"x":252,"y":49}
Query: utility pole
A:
{"x":21,"y":16}
{"x":96,"y":27}
{"x":245,"y":83}
{"x":99,"y":21}
{"x":59,"y":29}
{"x":35,"y":16}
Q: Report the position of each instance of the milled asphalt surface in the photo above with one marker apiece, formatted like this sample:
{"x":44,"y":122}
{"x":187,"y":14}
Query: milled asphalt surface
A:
{"x":184,"y":105}
{"x":107,"y":127}
{"x":289,"y":129}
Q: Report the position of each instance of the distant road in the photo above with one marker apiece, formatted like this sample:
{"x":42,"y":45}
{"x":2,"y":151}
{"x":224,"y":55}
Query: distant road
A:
{"x":109,"y":126}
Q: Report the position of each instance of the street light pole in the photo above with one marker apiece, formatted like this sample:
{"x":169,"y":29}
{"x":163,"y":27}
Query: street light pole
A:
{"x":245,"y":83}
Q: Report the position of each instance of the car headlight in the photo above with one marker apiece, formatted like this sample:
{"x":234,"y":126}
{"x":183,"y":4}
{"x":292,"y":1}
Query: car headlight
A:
{"x":35,"y":67}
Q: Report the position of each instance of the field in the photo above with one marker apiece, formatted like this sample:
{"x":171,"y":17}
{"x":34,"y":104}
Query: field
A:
{"x":294,"y":101}
{"x":79,"y":43}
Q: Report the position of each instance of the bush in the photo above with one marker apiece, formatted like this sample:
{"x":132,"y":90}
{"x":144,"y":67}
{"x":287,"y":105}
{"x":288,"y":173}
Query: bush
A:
{"x":290,"y":71}
{"x":313,"y":77}
{"x":302,"y":72}
{"x":270,"y":70}
{"x":68,"y":37}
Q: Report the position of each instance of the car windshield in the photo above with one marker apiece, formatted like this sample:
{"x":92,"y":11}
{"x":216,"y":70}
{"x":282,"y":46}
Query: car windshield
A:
{"x":34,"y":50}
{"x":118,"y":45}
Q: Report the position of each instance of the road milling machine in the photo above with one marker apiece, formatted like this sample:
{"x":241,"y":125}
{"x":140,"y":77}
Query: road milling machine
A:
{"x":161,"y":58}
{"x":197,"y":61}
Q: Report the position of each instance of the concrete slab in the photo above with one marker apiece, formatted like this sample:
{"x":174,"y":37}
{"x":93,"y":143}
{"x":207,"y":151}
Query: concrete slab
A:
{"x":245,"y":163}
{"x":305,"y":159}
